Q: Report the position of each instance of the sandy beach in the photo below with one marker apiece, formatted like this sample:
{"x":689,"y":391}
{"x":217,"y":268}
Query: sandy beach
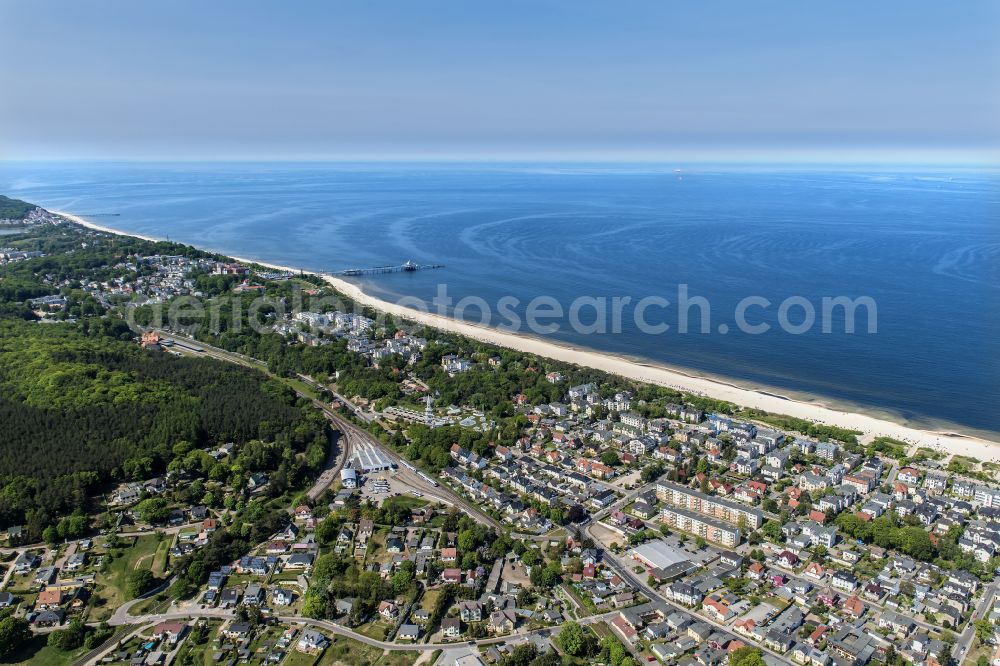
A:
{"x":871,"y":426}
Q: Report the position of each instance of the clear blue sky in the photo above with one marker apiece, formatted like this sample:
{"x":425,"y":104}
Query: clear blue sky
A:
{"x":440,"y":78}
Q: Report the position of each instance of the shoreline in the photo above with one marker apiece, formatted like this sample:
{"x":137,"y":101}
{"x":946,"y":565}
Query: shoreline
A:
{"x":952,"y":443}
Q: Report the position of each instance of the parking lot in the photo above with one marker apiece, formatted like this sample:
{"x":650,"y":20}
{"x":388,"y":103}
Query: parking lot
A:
{"x":396,"y":486}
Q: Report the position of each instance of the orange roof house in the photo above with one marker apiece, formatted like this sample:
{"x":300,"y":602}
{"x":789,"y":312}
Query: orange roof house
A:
{"x":49,"y":598}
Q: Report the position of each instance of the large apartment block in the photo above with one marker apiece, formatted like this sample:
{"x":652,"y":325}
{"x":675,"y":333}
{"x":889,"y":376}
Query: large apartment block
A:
{"x":682,"y":497}
{"x":708,"y":528}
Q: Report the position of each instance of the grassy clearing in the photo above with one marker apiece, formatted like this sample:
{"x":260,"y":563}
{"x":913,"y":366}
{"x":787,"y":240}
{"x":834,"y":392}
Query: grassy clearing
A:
{"x":601,"y":629}
{"x":348,"y":652}
{"x":300,"y":386}
{"x":374,"y":630}
{"x":36,"y":653}
{"x":965,"y":460}
{"x":977,"y":651}
{"x":929,"y":454}
{"x":296,"y":658}
{"x":408,"y":502}
{"x":111,"y":581}
{"x":429,"y":599}
{"x":160,"y":558}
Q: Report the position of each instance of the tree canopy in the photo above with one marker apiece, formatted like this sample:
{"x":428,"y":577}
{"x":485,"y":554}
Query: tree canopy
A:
{"x":82,"y":406}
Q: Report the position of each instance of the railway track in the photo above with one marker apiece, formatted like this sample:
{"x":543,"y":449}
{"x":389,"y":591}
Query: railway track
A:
{"x":440,"y":491}
{"x":336,"y":458}
{"x":351,"y":434}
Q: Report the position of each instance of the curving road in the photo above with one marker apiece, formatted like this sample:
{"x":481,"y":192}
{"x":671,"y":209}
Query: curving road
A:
{"x":144,"y":622}
{"x":621,"y":566}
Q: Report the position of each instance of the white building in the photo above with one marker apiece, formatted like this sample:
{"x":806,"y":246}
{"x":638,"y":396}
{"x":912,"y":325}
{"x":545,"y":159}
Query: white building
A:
{"x":349,"y":478}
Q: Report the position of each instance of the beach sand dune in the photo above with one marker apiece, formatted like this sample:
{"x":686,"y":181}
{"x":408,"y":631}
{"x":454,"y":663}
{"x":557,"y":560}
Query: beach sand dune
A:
{"x":871,"y":426}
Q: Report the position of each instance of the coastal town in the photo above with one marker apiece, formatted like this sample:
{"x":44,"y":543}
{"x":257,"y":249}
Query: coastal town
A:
{"x":479,"y":506}
{"x":561,"y":333}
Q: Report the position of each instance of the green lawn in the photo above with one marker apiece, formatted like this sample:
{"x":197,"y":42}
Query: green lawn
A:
{"x":296,"y":658}
{"x":374,"y":630}
{"x":160,"y":558}
{"x":21,"y":584}
{"x":408,"y":501}
{"x":300,"y":386}
{"x":110,"y":583}
{"x":286,"y":576}
{"x":348,"y":652}
{"x":601,"y":629}
{"x":37,"y":653}
{"x":429,"y":599}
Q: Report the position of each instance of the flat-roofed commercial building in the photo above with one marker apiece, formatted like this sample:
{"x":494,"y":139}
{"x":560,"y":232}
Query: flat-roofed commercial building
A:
{"x":657,"y":554}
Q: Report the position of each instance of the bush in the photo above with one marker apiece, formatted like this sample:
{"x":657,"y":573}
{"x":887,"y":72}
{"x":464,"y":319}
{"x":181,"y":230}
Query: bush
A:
{"x":70,"y":638}
{"x":139,"y":582}
{"x":14,"y":631}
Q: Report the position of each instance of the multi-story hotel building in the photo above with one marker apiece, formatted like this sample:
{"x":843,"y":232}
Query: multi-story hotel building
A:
{"x":682,"y":497}
{"x":708,"y":528}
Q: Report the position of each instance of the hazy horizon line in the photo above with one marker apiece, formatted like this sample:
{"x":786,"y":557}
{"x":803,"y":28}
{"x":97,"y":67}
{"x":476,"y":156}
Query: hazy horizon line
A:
{"x":983,"y":158}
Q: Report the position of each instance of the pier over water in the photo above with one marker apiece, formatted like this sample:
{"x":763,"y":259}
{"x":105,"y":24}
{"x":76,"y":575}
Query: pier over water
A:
{"x":408,"y":267}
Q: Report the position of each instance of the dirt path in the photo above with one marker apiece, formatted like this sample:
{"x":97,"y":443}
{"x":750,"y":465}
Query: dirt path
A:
{"x":138,"y":562}
{"x":424,"y":658}
{"x":70,"y":551}
{"x":10,"y":570}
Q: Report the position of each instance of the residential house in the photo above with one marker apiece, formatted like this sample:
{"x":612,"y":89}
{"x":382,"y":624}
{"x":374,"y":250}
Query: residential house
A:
{"x":451,"y":627}
{"x":311,"y":642}
{"x":502,"y":622}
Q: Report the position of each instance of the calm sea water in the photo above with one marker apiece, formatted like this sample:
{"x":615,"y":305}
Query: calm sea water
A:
{"x":924,"y":243}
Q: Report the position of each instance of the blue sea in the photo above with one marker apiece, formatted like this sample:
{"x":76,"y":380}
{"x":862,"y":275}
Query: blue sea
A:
{"x":923,"y":243}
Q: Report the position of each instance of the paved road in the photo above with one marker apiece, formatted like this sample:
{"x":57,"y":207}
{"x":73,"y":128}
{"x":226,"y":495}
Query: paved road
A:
{"x":121,"y":615}
{"x":964,"y":642}
{"x":621,"y":566}
{"x":144,"y":622}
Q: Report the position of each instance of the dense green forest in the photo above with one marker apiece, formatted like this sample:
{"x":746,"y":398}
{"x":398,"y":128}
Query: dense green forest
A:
{"x":82,"y":405}
{"x":14,"y":209}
